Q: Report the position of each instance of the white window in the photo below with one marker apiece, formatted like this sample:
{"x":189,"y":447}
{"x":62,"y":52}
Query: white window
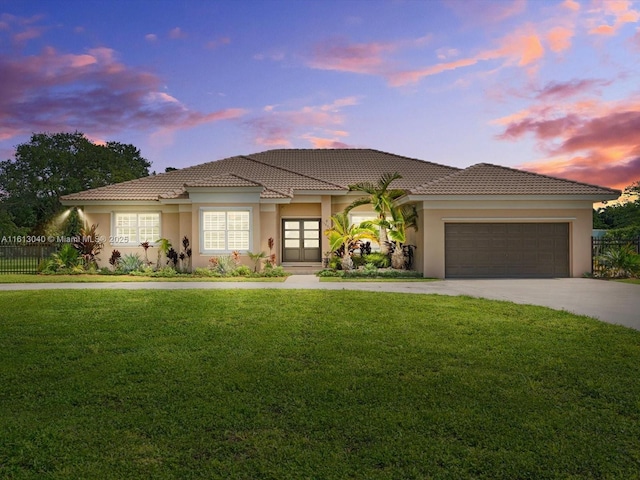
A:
{"x":358,"y":218}
{"x":135,"y":228}
{"x":226,"y":230}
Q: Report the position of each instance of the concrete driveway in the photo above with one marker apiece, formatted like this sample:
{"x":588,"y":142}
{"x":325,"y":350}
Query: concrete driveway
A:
{"x":611,"y":302}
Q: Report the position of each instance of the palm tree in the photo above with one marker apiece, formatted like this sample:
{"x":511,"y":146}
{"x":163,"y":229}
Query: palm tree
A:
{"x":256,"y":258}
{"x":347,"y":235}
{"x":381,"y":198}
{"x":164,"y":245}
{"x":402,"y":217}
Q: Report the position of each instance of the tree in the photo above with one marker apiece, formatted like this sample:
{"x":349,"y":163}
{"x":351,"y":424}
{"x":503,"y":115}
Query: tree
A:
{"x":402,"y":217}
{"x":52,"y":165}
{"x":344,"y":234}
{"x":622,"y":215}
{"x":381,"y":198}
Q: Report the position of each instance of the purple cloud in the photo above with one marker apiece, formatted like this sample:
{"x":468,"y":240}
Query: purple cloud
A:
{"x":91,"y":92}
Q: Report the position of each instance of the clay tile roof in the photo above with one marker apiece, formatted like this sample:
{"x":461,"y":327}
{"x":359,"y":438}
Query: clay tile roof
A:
{"x":283,"y":172}
{"x":346,"y":167}
{"x":224,"y":180}
{"x":488,"y":179}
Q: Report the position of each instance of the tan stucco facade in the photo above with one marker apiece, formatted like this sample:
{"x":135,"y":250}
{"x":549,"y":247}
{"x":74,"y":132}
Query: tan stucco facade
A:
{"x":183,"y":219}
{"x":434,"y":216}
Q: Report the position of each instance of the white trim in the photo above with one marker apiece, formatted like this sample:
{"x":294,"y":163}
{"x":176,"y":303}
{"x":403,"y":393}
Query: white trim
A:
{"x":114,"y":237}
{"x":237,"y":197}
{"x":506,"y":219}
{"x":201,"y":210}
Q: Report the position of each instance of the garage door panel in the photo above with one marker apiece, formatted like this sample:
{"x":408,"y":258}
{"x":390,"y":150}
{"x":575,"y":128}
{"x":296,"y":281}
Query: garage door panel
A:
{"x":506,"y":250}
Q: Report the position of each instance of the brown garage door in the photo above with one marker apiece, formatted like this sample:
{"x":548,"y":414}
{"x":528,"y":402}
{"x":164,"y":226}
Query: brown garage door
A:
{"x":509,"y":250}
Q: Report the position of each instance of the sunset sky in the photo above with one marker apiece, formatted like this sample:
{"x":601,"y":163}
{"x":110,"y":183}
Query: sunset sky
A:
{"x":548,"y":86}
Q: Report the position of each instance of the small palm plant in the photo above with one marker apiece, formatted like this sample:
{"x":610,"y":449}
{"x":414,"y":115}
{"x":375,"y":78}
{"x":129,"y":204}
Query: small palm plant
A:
{"x":164,"y":245}
{"x":256,"y":258}
{"x":344,"y":234}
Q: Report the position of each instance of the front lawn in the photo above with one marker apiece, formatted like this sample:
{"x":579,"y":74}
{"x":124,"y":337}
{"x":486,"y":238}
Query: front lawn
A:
{"x":311,"y":384}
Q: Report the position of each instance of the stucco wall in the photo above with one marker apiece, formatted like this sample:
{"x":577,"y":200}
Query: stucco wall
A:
{"x":432,"y":234}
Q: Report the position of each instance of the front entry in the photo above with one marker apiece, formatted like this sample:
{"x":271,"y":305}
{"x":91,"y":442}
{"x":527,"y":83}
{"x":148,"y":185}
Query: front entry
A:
{"x":301,"y":240}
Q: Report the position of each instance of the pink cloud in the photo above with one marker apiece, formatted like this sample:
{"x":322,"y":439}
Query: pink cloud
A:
{"x":591,"y":169}
{"x":318,"y":142}
{"x":91,"y":92}
{"x":482,"y":12}
{"x":275,"y":127}
{"x":364,"y":58}
{"x":213,"y":44}
{"x":562,"y":90}
{"x":413,"y":76}
{"x":176,"y":33}
{"x":586,"y":140}
{"x":572,"y":5}
{"x":609,"y":15}
{"x":559,"y":39}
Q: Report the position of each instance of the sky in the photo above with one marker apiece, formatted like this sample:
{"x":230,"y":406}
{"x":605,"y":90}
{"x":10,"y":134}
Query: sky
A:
{"x":550,"y":86}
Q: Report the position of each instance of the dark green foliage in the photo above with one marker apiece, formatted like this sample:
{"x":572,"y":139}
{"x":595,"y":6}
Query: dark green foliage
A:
{"x":203,"y":384}
{"x":66,"y":260}
{"x":379,"y":259}
{"x":622,"y":218}
{"x":52,"y":165}
{"x":620,"y":261}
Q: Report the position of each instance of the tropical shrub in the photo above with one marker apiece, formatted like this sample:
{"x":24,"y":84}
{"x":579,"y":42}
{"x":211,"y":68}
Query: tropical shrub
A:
{"x":115,"y":258}
{"x":378,"y":259}
{"x":274,"y":272}
{"x":89,"y":244}
{"x":620,"y":261}
{"x":66,"y":260}
{"x":242,"y":271}
{"x":131,"y":262}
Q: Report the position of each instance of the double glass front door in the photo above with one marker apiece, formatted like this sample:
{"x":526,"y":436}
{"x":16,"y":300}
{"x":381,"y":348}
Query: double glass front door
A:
{"x":301,"y":240}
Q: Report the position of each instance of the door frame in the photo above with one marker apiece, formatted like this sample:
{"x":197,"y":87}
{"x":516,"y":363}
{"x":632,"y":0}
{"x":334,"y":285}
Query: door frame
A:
{"x":300,"y":219}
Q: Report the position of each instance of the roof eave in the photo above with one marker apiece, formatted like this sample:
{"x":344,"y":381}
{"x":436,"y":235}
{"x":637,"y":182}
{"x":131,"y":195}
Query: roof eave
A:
{"x":77,"y":202}
{"x":520,"y":197}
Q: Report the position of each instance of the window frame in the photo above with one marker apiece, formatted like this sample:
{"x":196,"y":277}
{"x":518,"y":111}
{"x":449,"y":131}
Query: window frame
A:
{"x":115,"y":238}
{"x":226,"y":211}
{"x":375,"y":247}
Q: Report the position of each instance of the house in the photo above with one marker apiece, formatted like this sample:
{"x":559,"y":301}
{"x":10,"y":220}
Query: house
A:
{"x":481,"y":221}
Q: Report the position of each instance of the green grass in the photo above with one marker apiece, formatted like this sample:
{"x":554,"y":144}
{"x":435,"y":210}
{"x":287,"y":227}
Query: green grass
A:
{"x":630,"y":280}
{"x":315,"y":384}
{"x":82,"y":278}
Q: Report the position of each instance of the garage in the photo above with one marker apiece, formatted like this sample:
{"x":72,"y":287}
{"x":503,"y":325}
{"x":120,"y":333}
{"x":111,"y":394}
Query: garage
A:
{"x":506,"y":250}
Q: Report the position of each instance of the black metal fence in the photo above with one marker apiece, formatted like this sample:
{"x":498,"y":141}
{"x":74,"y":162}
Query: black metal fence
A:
{"x":601,"y":245}
{"x":24,"y":258}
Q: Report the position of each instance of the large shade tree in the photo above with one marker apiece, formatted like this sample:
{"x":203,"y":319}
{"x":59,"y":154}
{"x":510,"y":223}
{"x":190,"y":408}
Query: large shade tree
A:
{"x":52,"y":165}
{"x":382,"y":198}
{"x":623,"y":217}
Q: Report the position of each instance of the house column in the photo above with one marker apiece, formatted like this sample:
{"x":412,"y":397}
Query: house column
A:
{"x":325,"y":223}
